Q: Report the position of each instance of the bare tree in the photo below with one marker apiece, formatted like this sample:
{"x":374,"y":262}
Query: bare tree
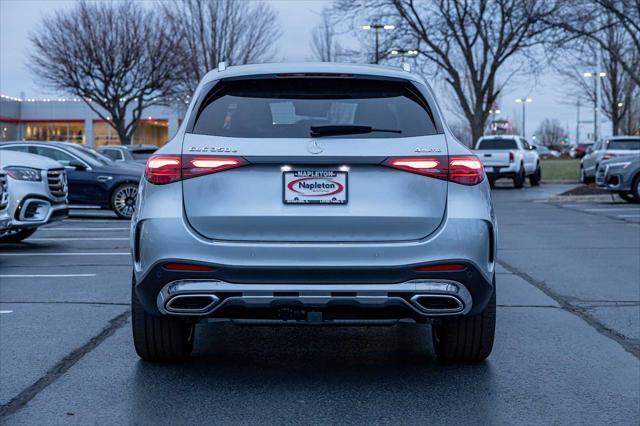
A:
{"x":324,"y":45}
{"x":477,"y":45}
{"x":115,"y":56}
{"x":208,"y":32}
{"x":583,"y":19}
{"x":550,"y":132}
{"x":580,"y":56}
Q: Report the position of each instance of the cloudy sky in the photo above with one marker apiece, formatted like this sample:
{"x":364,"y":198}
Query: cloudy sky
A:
{"x":297,"y":17}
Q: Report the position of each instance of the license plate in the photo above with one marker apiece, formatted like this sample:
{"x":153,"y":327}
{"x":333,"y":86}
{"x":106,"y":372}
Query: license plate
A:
{"x":314,"y":187}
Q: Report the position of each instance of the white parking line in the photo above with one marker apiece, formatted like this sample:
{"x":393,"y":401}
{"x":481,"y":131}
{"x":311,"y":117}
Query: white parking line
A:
{"x":47,"y":275}
{"x":84,"y":229}
{"x":5,"y":312}
{"x":67,"y":254}
{"x":629,"y":215}
{"x":611,"y":209}
{"x":80,"y":239}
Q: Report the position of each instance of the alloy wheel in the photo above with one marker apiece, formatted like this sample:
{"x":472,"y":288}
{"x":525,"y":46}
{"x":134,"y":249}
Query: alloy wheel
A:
{"x":124,"y":200}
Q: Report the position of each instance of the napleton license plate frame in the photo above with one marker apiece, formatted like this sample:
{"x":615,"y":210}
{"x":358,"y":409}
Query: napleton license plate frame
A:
{"x":320,"y":175}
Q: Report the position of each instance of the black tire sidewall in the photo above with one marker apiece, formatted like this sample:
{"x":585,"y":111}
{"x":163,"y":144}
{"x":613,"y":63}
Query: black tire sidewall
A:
{"x":18,"y":236}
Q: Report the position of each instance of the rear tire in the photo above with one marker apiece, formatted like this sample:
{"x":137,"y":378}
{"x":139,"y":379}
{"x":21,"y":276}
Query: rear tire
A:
{"x":583,"y":175}
{"x":635,"y":190}
{"x":628,"y":197}
{"x":18,"y":235}
{"x":159,"y":338}
{"x":518,"y":180}
{"x":466,"y":338}
{"x":535,"y":178}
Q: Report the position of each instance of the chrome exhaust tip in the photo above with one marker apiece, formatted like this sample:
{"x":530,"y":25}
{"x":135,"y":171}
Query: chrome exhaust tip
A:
{"x":191,"y":303}
{"x":438,"y":303}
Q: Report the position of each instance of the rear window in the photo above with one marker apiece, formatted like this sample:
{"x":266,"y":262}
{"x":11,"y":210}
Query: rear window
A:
{"x":142,"y":154}
{"x":497,"y":144}
{"x":288,"y":107}
{"x":627,"y":144}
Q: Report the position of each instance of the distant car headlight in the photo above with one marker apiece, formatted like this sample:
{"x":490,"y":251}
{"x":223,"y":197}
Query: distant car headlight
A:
{"x":24,"y":173}
{"x":620,"y":165}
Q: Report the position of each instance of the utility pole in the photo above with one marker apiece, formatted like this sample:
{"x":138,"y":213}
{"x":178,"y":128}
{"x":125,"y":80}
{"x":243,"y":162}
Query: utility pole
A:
{"x":377,"y":28}
{"x":578,"y":123}
{"x":596,"y":119}
{"x":523,"y":101}
{"x":597,"y":75}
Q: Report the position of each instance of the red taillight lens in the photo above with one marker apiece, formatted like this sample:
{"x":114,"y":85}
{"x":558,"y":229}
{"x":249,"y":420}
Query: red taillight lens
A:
{"x":189,"y":267}
{"x":163,"y":169}
{"x":430,"y":166}
{"x":447,"y":267}
{"x":466,"y":170}
{"x":511,"y":157}
{"x":608,"y":156}
{"x":203,"y":165}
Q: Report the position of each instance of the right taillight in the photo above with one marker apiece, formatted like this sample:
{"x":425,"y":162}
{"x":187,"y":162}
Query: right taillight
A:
{"x":163,"y":169}
{"x":511,"y":157}
{"x":462,"y":169}
{"x":466,"y":170}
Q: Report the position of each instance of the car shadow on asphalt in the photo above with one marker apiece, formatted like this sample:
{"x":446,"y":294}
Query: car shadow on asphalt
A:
{"x":327,"y":368}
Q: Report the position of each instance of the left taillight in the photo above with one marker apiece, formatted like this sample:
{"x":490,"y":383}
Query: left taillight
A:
{"x":163,"y":169}
{"x":465,"y":169}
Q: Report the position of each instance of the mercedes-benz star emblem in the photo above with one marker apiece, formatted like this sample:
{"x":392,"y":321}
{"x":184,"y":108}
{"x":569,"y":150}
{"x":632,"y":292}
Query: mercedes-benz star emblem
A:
{"x":314,"y":147}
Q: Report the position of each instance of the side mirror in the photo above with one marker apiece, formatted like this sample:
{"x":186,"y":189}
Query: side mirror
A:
{"x":533,"y":147}
{"x":589,"y":150}
{"x":75,"y":164}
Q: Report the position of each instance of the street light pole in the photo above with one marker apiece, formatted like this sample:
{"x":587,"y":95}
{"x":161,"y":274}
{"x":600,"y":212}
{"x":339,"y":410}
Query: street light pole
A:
{"x":377,"y":28}
{"x":523,"y":101}
{"x":596,"y":112}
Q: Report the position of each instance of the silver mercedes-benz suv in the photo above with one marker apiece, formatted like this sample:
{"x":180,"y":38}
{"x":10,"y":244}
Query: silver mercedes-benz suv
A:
{"x":314,"y":193}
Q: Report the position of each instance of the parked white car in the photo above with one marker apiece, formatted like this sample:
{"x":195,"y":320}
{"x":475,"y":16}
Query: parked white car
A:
{"x":509,"y":156}
{"x":37,"y":193}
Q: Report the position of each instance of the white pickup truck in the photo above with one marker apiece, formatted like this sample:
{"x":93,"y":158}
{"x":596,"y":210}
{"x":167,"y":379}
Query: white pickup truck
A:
{"x":509,"y":156}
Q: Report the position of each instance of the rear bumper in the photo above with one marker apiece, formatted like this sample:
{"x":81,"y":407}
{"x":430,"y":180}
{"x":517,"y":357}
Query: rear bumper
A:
{"x":501,"y":171}
{"x":259,"y":293}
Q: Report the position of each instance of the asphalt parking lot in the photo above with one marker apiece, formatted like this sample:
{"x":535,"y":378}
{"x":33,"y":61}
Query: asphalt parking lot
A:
{"x":567,"y":347}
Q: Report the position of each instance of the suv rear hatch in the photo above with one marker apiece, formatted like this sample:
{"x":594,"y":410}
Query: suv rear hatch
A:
{"x":292,"y":187}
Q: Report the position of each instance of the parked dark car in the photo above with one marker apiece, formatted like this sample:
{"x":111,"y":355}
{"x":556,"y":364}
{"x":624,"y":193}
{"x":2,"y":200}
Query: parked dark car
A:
{"x":94,"y":180}
{"x":579,"y":150}
{"x":128,"y":153}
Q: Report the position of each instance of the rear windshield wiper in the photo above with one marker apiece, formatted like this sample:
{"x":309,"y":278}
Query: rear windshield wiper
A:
{"x":347,"y":129}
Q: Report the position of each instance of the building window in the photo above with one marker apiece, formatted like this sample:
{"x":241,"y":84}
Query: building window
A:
{"x":148,"y":132}
{"x":67,"y":131}
{"x":8,"y":131}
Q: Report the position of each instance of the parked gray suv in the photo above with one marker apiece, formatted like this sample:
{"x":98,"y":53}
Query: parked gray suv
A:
{"x":314,"y":193}
{"x":622,"y":176}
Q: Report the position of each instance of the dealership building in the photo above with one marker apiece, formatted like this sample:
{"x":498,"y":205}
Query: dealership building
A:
{"x":71,"y":119}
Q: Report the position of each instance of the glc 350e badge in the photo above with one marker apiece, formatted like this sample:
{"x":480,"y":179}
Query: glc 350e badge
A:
{"x":211,"y":149}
